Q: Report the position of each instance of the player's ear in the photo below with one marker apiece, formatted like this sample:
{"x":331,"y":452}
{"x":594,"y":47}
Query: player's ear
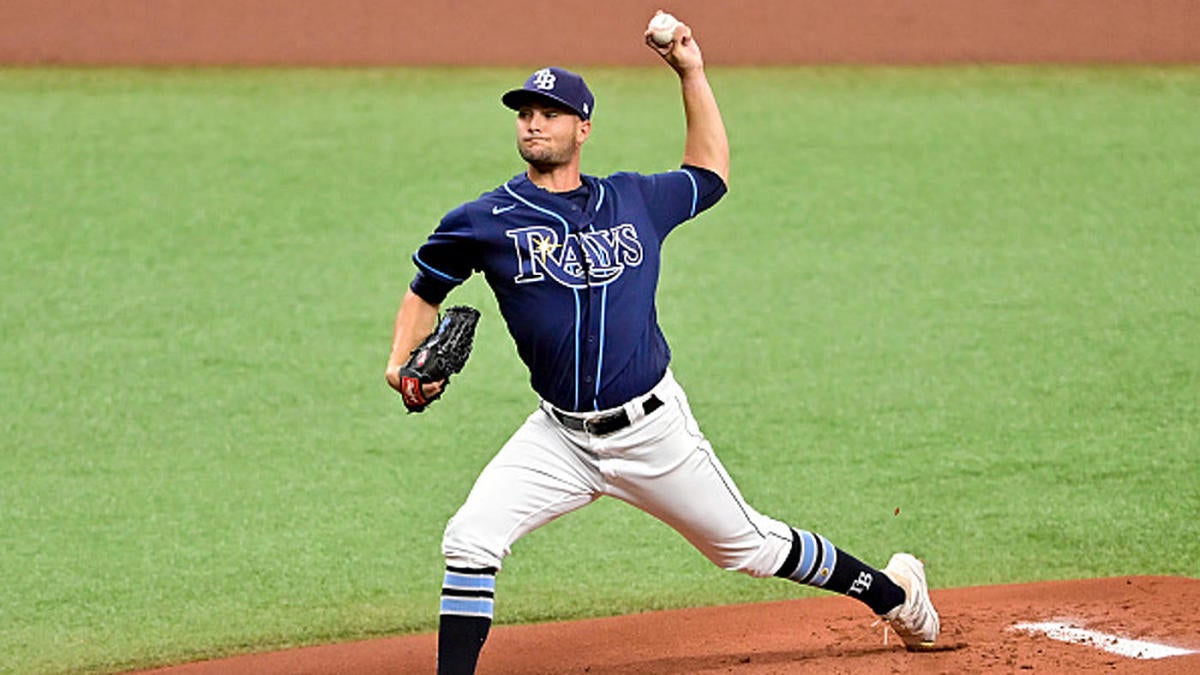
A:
{"x":583,"y":131}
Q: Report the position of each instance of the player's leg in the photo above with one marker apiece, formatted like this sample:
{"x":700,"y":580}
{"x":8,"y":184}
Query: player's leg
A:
{"x":465,"y":617}
{"x":698,"y":499}
{"x":671,"y":472}
{"x":898,"y":593}
{"x":531,"y":481}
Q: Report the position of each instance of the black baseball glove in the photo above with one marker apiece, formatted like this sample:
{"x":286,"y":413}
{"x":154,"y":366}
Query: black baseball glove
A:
{"x":440,"y":355}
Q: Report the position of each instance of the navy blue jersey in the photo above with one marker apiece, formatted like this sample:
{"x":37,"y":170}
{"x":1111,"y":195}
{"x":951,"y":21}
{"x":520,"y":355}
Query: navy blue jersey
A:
{"x":575,"y":284}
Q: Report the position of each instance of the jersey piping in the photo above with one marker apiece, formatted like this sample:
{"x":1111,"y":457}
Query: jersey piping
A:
{"x":433,"y":270}
{"x":695,"y":190}
{"x":578,"y":309}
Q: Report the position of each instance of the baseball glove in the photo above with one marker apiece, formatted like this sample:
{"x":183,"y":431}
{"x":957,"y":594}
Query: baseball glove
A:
{"x":443,"y":353}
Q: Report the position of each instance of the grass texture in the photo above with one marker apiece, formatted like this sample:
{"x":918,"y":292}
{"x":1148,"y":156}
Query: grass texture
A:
{"x":968,"y":294}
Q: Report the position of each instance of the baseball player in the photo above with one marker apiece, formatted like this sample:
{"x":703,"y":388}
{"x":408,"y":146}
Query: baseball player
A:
{"x":573,"y":261}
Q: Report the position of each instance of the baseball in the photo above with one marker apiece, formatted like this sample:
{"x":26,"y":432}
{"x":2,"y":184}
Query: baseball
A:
{"x":662,"y":28}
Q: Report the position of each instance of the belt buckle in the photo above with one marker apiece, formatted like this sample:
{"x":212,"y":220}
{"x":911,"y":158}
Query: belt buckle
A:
{"x":596,"y":425}
{"x":574,"y":422}
{"x":603,"y":425}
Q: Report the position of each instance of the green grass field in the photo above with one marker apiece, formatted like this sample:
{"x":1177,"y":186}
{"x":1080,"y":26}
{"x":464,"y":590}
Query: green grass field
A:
{"x":970,"y":294}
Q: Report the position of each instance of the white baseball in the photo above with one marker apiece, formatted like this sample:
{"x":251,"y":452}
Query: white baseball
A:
{"x":663,"y":29}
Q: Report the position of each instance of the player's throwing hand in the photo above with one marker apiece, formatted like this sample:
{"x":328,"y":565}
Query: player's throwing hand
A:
{"x":682,"y":52}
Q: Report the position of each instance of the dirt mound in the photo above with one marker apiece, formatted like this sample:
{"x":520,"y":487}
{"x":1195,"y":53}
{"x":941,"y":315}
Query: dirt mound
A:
{"x":820,"y":635}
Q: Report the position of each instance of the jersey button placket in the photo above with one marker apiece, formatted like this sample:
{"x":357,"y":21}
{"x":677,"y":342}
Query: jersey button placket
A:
{"x":592,"y":304}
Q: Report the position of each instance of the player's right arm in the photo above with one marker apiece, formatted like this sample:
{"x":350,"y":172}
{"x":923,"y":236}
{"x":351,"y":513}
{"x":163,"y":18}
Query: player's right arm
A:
{"x":706,"y":144}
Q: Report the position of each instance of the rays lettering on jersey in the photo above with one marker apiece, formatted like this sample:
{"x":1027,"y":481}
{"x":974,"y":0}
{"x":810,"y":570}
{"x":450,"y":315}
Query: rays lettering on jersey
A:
{"x":606,"y":255}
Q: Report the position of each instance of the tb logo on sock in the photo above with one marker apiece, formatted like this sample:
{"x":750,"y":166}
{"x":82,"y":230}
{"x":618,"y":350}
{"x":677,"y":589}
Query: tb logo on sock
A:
{"x":861,"y":584}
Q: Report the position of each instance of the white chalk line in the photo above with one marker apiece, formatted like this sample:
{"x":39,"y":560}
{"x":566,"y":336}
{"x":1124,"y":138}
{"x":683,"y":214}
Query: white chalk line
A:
{"x":1115,"y":644}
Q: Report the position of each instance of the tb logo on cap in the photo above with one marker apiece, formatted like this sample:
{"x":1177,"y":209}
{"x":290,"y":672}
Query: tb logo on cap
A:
{"x":544,"y":79}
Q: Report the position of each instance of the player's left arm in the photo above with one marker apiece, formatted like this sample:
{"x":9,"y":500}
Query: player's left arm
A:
{"x":706,"y":144}
{"x":443,"y":262}
{"x":414,"y":321}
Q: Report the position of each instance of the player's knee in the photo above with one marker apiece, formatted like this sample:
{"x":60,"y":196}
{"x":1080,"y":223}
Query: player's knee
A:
{"x":464,"y":545}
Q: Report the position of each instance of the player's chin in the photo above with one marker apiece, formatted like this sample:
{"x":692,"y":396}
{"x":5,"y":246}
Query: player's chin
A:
{"x":540,"y":155}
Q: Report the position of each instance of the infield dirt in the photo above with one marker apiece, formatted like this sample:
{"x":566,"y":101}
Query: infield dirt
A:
{"x":815,"y":635}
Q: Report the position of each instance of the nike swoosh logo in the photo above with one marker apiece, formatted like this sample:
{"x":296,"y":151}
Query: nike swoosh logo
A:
{"x":497,"y":210}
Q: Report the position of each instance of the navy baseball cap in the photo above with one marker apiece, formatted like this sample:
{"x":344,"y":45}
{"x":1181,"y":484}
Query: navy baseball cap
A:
{"x":556,"y":85}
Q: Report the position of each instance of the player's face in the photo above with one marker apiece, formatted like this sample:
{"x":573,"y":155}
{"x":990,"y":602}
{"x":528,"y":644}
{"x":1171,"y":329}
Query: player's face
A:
{"x":549,"y":136}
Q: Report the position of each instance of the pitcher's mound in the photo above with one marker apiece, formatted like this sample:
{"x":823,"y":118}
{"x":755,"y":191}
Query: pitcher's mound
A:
{"x":1131,"y":624}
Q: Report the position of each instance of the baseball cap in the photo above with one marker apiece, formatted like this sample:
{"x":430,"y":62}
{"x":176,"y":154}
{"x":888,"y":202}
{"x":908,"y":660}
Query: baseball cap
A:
{"x":557,"y":85}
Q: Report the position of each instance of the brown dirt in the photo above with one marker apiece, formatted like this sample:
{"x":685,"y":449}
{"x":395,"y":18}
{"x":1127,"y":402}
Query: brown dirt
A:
{"x":536,"y":32}
{"x":820,"y":635}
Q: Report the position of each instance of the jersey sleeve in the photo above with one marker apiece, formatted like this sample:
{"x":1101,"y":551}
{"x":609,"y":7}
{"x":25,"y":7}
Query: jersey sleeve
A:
{"x":710,"y":187}
{"x":446,"y":259}
{"x":676,"y":196}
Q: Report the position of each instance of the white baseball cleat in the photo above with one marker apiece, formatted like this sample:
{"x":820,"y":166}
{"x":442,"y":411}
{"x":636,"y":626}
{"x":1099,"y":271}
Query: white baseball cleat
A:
{"x":915,"y":621}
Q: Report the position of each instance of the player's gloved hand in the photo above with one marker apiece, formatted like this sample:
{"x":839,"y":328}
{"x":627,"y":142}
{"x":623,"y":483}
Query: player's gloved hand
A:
{"x":417,"y":395}
{"x":424,"y":377}
{"x":429,"y":390}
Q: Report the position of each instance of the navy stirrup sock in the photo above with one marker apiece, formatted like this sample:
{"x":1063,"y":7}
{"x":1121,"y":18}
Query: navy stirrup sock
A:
{"x":468,"y":597}
{"x":814,"y":561}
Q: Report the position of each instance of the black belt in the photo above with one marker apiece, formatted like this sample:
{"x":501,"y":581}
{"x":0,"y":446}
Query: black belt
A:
{"x":601,"y":425}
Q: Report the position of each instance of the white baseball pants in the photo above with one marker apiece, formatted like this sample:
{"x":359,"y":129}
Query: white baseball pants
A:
{"x":661,"y":463}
